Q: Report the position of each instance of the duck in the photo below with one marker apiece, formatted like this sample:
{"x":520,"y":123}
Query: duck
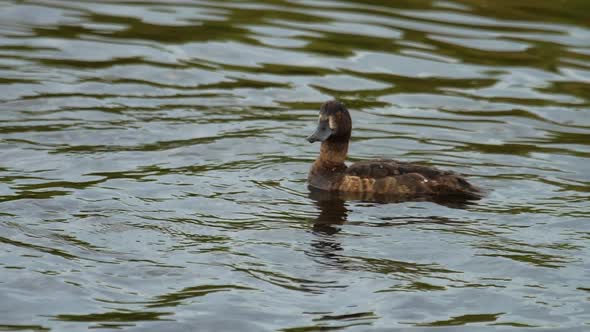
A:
{"x":374,"y":178}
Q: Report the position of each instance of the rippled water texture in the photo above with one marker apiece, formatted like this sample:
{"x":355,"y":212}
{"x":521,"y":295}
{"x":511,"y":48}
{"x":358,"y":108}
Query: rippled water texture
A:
{"x":153,"y":165}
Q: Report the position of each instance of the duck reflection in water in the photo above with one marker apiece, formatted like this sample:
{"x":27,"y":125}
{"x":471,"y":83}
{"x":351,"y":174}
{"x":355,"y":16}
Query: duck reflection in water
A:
{"x":333,"y":212}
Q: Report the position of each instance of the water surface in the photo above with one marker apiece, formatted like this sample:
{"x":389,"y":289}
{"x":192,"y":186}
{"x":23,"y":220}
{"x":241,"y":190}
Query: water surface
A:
{"x":153,"y":165}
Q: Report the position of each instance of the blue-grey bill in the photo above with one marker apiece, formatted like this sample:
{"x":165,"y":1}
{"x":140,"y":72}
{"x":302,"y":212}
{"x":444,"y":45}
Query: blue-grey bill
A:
{"x":321,"y":133}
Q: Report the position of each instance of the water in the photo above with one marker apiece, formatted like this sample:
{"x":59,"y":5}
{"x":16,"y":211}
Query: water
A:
{"x":153,"y":165}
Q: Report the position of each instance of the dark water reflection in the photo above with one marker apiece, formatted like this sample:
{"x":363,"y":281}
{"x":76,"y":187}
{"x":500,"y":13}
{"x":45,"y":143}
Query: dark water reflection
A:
{"x":153,"y":165}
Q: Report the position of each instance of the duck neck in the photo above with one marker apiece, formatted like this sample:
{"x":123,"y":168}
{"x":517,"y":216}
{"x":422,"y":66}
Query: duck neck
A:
{"x":333,"y":153}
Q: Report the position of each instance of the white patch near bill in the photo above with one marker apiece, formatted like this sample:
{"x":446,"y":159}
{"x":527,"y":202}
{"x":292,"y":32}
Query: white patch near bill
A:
{"x":332,"y":122}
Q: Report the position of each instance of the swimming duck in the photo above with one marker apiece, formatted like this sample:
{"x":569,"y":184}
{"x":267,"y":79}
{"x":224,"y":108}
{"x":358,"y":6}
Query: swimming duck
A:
{"x":374,"y":177}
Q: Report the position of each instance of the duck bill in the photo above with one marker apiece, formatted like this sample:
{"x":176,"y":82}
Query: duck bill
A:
{"x":321,"y":133}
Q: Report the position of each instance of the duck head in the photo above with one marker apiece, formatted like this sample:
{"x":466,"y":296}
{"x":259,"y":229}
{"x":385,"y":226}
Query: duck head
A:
{"x":334,"y":123}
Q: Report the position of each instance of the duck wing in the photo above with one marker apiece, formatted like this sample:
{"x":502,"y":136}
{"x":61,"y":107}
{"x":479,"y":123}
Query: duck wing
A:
{"x":384,"y":167}
{"x":402,"y":178}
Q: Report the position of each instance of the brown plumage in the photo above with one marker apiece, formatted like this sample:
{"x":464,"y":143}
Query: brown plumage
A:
{"x":375,"y":177}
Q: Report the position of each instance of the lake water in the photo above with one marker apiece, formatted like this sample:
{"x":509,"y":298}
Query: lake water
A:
{"x":153,"y":164}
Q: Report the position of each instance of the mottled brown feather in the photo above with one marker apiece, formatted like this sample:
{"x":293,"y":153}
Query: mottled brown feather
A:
{"x":383,"y":167}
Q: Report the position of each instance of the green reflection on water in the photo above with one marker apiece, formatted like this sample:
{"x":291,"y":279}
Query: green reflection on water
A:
{"x":465,"y":319}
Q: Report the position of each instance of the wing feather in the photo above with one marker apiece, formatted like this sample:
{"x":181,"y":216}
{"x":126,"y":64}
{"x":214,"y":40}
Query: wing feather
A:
{"x":401,"y":178}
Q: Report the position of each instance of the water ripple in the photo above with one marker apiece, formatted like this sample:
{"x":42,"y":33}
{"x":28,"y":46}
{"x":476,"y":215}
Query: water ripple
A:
{"x":153,"y":164}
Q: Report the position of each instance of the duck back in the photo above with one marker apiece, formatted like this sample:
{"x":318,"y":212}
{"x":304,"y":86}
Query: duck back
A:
{"x":401,"y":178}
